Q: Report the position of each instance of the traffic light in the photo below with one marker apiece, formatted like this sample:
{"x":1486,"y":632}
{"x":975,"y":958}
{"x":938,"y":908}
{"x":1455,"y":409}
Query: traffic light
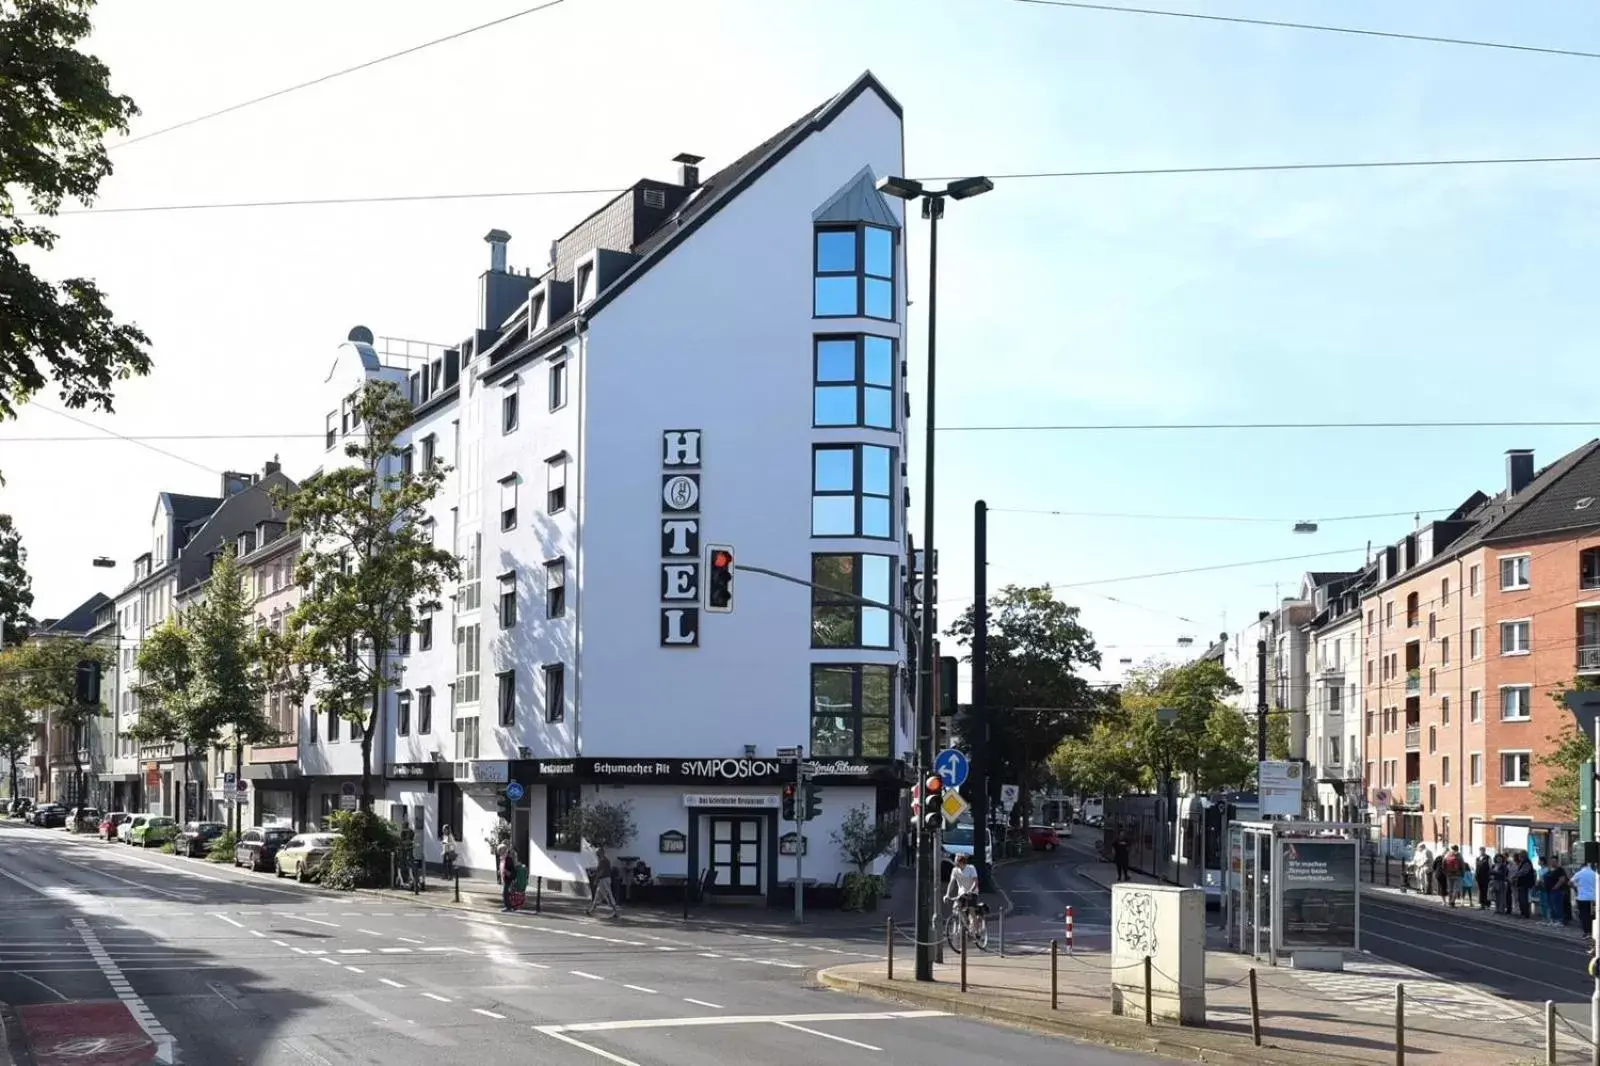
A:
{"x":506,"y":808}
{"x":86,"y":684}
{"x":813,"y":802}
{"x":788,"y":803}
{"x":719,"y":578}
{"x":947,"y":685}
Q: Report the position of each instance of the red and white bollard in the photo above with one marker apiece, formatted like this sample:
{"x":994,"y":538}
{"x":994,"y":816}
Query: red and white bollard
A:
{"x":1069,"y":928}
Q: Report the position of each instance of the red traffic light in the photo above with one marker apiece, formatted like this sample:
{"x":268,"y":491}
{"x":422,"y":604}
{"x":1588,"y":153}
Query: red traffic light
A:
{"x":788,"y":790}
{"x":721,"y":559}
{"x":935,"y":783}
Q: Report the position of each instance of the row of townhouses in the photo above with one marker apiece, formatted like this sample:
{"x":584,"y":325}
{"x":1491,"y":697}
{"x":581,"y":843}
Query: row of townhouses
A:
{"x":1418,"y":688}
{"x":707,"y":360}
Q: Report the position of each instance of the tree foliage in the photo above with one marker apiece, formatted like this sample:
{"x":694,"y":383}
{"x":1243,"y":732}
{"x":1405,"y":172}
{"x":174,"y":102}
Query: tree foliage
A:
{"x":1558,"y":792}
{"x":862,"y":839}
{"x":16,"y":587}
{"x":56,"y":108}
{"x":45,"y":676}
{"x":1205,"y":741}
{"x":1037,"y":699}
{"x":16,"y":725}
{"x":1277,"y":736}
{"x":366,"y":566}
{"x":601,"y":824}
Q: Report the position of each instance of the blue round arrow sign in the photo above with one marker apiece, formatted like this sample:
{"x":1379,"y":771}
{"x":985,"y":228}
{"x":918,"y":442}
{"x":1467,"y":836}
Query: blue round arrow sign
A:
{"x":952,"y":766}
{"x":514,"y":791}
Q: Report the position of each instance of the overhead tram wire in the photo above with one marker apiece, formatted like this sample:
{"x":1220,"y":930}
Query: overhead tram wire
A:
{"x":1278,"y":24}
{"x":1251,"y":168}
{"x":1217,"y":518}
{"x":113,"y":434}
{"x":322,"y":79}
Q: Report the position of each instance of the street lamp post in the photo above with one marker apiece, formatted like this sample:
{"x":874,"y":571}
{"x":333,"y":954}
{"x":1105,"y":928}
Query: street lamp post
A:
{"x":933,"y":202}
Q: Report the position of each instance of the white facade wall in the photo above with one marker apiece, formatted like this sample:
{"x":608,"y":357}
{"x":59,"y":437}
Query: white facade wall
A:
{"x":1334,"y":712}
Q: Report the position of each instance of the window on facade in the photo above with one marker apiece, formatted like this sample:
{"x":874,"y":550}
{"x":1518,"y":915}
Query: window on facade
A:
{"x":584,"y":285}
{"x":1516,"y":703}
{"x":408,"y":463}
{"x":430,"y":445}
{"x":1475,"y":643}
{"x":1474,"y":706}
{"x":555,"y":693}
{"x":508,"y":409}
{"x":1444,"y":711}
{"x":555,"y":588}
{"x":1516,"y":637}
{"x":468,"y":732}
{"x":333,"y":726}
{"x":1475,"y":768}
{"x":1411,"y":610}
{"x":1444,"y":592}
{"x":1433,"y":680}
{"x":313,"y":717}
{"x":508,"y":502}
{"x":838,"y":618}
{"x":1515,"y":572}
{"x":854,"y":383}
{"x":1589,"y":568}
{"x":508,"y":600}
{"x":1388,"y":615}
{"x":424,"y":711}
{"x":1444,"y":651}
{"x":852,"y":488}
{"x":1334,"y":754}
{"x":1335,"y":700}
{"x":1444,"y":769}
{"x":425,"y":633}
{"x":558,"y":385}
{"x":1516,"y":768}
{"x":467,"y":663}
{"x":1433,"y":739}
{"x":850,"y":711}
{"x":507,"y":697}
{"x":854,"y":272}
{"x":1433,"y":626}
{"x":330,"y":435}
{"x":402,"y":714}
{"x":1473,"y":573}
{"x":560,"y":830}
{"x":555,"y":498}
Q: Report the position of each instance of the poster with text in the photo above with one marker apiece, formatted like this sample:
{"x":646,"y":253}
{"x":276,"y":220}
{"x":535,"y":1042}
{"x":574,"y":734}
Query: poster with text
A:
{"x":1319,"y":893}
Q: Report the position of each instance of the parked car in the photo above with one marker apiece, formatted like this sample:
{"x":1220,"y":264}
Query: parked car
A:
{"x":258,"y":848}
{"x":125,"y":830}
{"x":157,"y":829}
{"x":196,"y":838}
{"x":1043,"y":838}
{"x":111,"y":823}
{"x":85,"y":819}
{"x":48,"y":815}
{"x":304,"y":856}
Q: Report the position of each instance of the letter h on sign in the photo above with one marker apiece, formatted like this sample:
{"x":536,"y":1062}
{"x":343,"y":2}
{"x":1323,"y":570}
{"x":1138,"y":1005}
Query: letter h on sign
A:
{"x":680,"y":538}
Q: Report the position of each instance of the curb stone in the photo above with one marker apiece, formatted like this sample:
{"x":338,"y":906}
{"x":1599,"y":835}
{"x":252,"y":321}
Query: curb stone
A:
{"x":1080,"y":1029}
{"x":1531,"y":925}
{"x":13,"y":1041}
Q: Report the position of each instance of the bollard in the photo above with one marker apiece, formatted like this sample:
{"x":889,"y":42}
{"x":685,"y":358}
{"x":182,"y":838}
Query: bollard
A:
{"x":1002,"y":933}
{"x":1055,"y":978}
{"x":1399,"y":1024}
{"x":888,"y":936}
{"x":963,"y":956}
{"x":1149,"y":1006}
{"x":458,"y":885}
{"x":1069,"y":929}
{"x":1549,"y":1032}
{"x":538,"y":895}
{"x":1255,"y":1010}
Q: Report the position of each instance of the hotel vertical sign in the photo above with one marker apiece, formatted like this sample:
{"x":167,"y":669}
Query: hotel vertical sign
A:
{"x":680,"y":538}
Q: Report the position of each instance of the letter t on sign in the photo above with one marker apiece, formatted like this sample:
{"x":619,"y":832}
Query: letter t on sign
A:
{"x":680,"y":448}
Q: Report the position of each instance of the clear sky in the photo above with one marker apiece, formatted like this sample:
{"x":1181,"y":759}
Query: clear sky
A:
{"x":1381,"y":295}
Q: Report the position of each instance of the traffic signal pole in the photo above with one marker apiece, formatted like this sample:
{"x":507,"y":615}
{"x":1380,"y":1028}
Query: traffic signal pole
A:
{"x":979,"y":774}
{"x":799,"y":841}
{"x":1261,"y":689}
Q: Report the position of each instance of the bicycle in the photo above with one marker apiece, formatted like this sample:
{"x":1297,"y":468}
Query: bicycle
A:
{"x":974,"y":919}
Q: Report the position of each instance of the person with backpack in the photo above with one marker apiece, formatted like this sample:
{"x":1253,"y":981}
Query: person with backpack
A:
{"x":1454,"y":867}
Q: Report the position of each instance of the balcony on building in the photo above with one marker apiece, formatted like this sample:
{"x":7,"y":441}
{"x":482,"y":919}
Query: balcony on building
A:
{"x":1331,"y":674}
{"x":1413,"y":738}
{"x":1414,"y":682}
{"x":1413,"y":792}
{"x":1589,"y":640}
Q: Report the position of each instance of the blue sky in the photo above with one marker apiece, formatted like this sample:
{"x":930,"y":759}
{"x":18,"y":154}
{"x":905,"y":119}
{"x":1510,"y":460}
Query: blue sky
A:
{"x":1382,"y":295}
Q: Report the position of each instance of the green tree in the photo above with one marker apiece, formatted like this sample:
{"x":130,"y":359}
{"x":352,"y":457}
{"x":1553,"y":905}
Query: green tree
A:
{"x":1102,"y":763}
{"x":1558,"y":792}
{"x":601,"y":824}
{"x":16,"y":725}
{"x":205,"y":678}
{"x":1204,"y":739}
{"x":16,"y":587}
{"x":366,"y":567}
{"x":1277,"y":736}
{"x":56,"y":108}
{"x":45,"y":673}
{"x":1037,"y":699}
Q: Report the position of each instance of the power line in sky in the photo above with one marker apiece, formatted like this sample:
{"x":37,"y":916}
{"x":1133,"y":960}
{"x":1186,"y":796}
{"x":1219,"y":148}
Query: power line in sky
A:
{"x":1421,"y":38}
{"x":228,"y":205}
{"x":1109,"y":427}
{"x":286,"y":90}
{"x":1216,"y":518}
{"x":112,"y":434}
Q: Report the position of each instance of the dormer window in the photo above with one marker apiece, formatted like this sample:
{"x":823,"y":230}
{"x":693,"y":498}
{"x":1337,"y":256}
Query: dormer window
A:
{"x":246,"y":544}
{"x":854,"y":268}
{"x":508,"y":406}
{"x":536,"y":312}
{"x":584,"y":286}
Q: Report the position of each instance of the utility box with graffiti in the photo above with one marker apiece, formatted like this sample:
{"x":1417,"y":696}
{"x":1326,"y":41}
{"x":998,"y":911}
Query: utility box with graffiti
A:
{"x":1168,"y":926}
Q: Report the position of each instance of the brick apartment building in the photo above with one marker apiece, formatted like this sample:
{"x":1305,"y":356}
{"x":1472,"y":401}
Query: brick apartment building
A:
{"x":1473,"y":620}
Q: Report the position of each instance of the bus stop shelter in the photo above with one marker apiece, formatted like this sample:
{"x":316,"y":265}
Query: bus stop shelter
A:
{"x":1293,"y":888}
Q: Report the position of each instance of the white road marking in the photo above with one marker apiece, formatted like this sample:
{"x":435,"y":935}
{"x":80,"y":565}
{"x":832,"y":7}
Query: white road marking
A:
{"x":739,"y":1019}
{"x":408,"y":940}
{"x":489,"y":1014}
{"x":641,"y":988}
{"x":666,"y":949}
{"x":590,"y":976}
{"x":432,"y":995}
{"x":259,"y":933}
{"x":369,"y":932}
{"x":280,"y":943}
{"x":354,"y":951}
{"x":828,"y":1036}
{"x":313,"y":921}
{"x":391,"y":984}
{"x":166,"y":1051}
{"x":536,"y":965}
{"x":395,"y":951}
{"x":551,"y":1032}
{"x":355,"y":969}
{"x":184,"y":896}
{"x":702,"y":1003}
{"x":330,"y":962}
{"x":230,"y":921}
{"x":300,"y":951}
{"x":709,"y":955}
{"x":119,"y":986}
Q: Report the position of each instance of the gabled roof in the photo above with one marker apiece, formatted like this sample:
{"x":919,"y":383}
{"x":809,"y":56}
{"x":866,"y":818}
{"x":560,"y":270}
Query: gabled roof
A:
{"x":858,"y":201}
{"x":78,"y":621}
{"x":1550,"y":504}
{"x":187,"y":509}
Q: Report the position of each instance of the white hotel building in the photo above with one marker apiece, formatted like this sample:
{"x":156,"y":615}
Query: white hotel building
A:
{"x":698,"y":362}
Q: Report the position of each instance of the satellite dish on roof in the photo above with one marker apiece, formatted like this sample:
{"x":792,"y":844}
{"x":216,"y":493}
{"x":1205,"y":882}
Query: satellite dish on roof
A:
{"x":360,"y":335}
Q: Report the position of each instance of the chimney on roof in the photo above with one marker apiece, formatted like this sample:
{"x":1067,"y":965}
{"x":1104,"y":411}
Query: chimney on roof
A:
{"x":272,"y":467}
{"x":1519,"y":470}
{"x":688,"y":169}
{"x":497,"y":239}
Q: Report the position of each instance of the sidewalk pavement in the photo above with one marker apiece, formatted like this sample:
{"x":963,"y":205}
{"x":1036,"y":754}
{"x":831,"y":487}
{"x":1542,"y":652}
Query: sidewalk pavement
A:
{"x":1307,"y":1019}
{"x":13,"y":1041}
{"x":1471,"y":912}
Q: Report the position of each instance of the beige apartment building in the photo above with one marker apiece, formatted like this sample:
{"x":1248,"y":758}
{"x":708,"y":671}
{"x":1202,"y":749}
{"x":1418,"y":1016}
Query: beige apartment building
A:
{"x":273,"y":784}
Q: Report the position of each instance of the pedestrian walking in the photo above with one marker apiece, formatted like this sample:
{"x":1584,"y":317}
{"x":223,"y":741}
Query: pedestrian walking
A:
{"x":1483,"y":874}
{"x":1454,"y":867}
{"x":447,"y":850}
{"x":1500,"y":873}
{"x":1583,"y":883}
{"x":508,"y":877}
{"x":602,"y":894}
{"x":1522,"y":882}
{"x":1119,"y":855}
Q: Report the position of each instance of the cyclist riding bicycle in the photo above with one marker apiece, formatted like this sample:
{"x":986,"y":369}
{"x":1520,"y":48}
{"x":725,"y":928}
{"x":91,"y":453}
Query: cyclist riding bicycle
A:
{"x":963,"y":887}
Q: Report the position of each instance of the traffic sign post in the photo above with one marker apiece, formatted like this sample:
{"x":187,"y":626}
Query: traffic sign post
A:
{"x":953,"y":766}
{"x":515,"y":792}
